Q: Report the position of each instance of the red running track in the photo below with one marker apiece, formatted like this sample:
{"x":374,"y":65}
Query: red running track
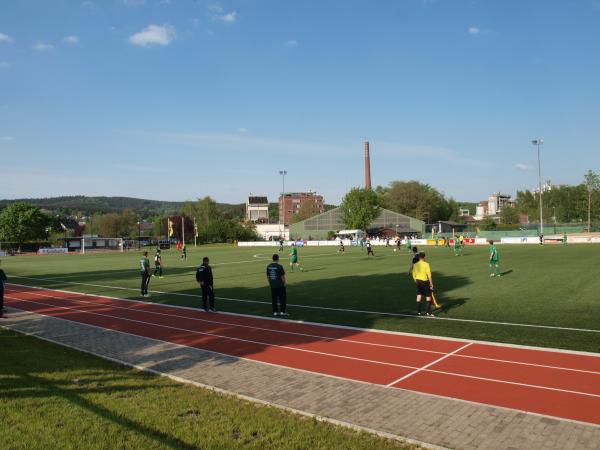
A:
{"x":552,"y":383}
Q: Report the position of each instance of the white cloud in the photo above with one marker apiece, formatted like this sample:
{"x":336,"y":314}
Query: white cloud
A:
{"x":474,"y":30}
{"x":215,"y":8}
{"x":522,"y":166}
{"x":5,"y":38}
{"x":7,"y":138}
{"x":243,"y":130}
{"x":153,"y":35}
{"x":42,"y":47}
{"x":71,"y":39}
{"x":134,"y":2}
{"x":292,"y":43}
{"x":163,"y":2}
{"x":87,"y":4}
{"x":5,"y":64}
{"x":229,"y":17}
{"x":217,"y":13}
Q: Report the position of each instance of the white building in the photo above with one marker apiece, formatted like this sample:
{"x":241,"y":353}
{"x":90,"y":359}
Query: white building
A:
{"x":493,"y":206}
{"x":257,"y":209}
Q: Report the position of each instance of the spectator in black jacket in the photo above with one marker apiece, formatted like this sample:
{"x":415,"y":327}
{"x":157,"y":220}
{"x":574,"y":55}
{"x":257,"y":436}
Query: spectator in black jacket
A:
{"x":204,"y":277}
{"x":2,"y":281}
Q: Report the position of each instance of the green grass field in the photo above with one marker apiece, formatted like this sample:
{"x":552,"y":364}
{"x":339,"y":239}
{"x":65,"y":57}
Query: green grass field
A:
{"x":550,"y":286}
{"x":54,"y":397}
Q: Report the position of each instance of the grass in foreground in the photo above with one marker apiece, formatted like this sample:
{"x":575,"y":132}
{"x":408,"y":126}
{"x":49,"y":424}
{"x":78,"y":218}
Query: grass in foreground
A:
{"x":55,"y":397}
{"x":550,"y":285}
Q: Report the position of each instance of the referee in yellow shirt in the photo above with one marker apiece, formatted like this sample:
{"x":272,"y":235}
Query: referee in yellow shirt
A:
{"x":421,"y":273}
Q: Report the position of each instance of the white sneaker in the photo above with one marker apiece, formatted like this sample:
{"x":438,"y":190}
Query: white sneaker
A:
{"x":275,"y":314}
{"x":284,"y":314}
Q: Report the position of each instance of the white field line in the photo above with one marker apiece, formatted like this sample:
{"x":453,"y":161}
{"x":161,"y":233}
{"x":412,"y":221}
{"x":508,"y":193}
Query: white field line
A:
{"x":426,"y":366}
{"x":327,"y":308}
{"x":326,"y":338}
{"x":257,"y":259}
{"x":586,"y":394}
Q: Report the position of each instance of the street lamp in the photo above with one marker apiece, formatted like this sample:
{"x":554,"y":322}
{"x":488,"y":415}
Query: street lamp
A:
{"x":538,"y":142}
{"x":283,"y":173}
{"x":139,"y":232}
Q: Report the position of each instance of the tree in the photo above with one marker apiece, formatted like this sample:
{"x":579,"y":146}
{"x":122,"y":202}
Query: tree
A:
{"x":307,"y":210}
{"x":592,"y":184}
{"x":359,"y":208}
{"x":418,"y":200}
{"x":21,"y":222}
{"x":509,"y":215}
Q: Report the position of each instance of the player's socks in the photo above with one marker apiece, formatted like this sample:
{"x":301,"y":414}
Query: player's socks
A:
{"x":429,"y":307}
{"x":419,"y":308}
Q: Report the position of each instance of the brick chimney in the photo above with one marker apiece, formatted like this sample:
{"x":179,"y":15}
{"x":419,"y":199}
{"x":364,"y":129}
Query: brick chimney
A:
{"x":367,"y":167}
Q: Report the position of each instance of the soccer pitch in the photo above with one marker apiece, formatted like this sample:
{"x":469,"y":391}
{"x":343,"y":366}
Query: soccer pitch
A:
{"x":547,"y":296}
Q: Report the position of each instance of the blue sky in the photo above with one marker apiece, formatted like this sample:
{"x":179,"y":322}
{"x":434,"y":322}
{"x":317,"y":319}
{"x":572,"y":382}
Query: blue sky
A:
{"x":178,"y":99}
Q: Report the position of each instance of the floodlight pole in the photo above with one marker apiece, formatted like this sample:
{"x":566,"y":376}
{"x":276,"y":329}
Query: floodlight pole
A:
{"x":139,"y":232}
{"x":538,"y":142}
{"x":283,"y":173}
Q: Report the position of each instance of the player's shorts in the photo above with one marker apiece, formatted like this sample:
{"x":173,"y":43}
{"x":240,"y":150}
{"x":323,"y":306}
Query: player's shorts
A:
{"x":494,"y":260}
{"x":294,"y":260}
{"x":423,"y":288}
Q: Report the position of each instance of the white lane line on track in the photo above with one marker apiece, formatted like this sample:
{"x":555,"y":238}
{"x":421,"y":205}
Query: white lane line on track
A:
{"x":427,"y":366}
{"x":327,"y":308}
{"x":352,"y":341}
{"x":586,"y":394}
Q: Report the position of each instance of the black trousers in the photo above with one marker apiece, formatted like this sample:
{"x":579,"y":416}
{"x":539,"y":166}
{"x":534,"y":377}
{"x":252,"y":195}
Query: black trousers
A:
{"x":278,"y":299}
{"x":208,"y":297}
{"x":1,"y":298}
{"x":158,"y":270}
{"x":145,"y":282}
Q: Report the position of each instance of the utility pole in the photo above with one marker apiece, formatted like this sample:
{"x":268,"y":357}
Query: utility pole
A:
{"x":539,"y":142}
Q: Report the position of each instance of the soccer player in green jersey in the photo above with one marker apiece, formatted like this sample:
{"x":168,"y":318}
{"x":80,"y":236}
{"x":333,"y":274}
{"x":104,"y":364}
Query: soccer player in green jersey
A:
{"x":494,"y":260}
{"x":294,"y":259}
{"x":457,"y":247}
{"x":564,"y":241}
{"x":145,"y":273}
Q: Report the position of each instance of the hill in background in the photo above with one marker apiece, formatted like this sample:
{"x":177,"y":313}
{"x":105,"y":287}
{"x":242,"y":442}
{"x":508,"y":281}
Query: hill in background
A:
{"x":81,"y":205}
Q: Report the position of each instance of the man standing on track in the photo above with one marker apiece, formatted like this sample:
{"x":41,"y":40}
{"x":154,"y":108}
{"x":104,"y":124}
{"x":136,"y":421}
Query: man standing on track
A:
{"x":276,"y":278}
{"x":494,"y":261}
{"x":2,"y":281}
{"x":280,"y":244}
{"x":145,"y":272}
{"x":422,"y":275}
{"x":157,"y":264}
{"x":204,"y":277}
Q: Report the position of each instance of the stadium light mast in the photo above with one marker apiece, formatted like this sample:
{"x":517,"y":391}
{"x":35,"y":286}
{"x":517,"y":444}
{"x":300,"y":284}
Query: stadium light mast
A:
{"x":283,"y":173}
{"x":537,"y":142}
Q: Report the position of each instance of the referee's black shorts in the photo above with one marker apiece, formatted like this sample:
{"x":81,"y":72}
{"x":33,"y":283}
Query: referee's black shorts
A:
{"x":423,"y":288}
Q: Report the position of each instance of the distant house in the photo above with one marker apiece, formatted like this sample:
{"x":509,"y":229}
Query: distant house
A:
{"x":446,"y":226}
{"x":257,"y":209}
